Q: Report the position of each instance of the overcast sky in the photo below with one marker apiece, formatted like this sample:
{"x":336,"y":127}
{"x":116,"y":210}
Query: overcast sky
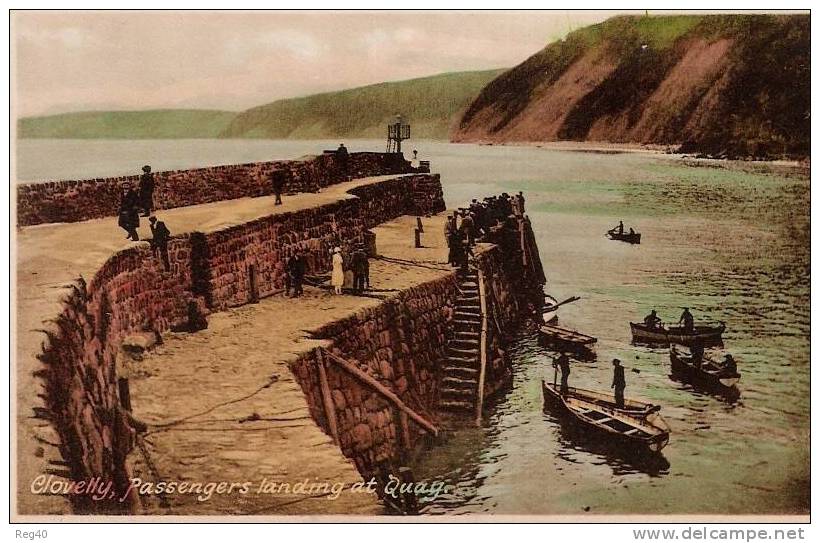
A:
{"x":234,"y":60}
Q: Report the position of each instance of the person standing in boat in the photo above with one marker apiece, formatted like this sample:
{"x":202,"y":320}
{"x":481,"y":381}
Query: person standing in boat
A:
{"x":563,"y":364}
{"x":652,"y":321}
{"x":618,"y":382}
{"x":687,"y":320}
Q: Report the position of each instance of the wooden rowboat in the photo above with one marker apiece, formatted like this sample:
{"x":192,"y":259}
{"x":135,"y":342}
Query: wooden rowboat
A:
{"x":634,"y":408}
{"x":710,"y":374}
{"x":633,"y":238}
{"x":639,"y":433}
{"x":564,"y":339}
{"x":706,"y":334}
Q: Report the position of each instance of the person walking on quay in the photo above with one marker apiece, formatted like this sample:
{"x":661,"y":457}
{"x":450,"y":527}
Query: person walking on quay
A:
{"x":129,"y":215}
{"x":563,"y":364}
{"x":618,"y":382}
{"x":359,"y":266}
{"x":159,"y":240}
{"x":146,"y":191}
{"x":296,"y":274}
{"x":687,"y":320}
{"x":337,"y":277}
{"x":278,"y":182}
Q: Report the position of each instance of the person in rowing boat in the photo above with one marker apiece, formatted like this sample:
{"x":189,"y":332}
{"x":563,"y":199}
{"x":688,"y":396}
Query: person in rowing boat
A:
{"x":652,"y":321}
{"x":729,"y":365}
{"x":618,"y":382}
{"x":563,"y":364}
{"x":687,"y":320}
{"x":618,"y":229}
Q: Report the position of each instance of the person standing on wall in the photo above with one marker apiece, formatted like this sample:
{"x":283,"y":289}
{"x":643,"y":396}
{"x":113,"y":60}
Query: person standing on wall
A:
{"x":146,"y":191}
{"x":278,"y":182}
{"x":159,"y":240}
{"x":129,"y":216}
{"x":342,"y":157}
{"x":337,"y":277}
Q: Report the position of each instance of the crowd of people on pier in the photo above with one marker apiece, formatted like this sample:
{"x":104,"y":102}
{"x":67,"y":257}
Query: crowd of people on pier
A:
{"x":495,"y":220}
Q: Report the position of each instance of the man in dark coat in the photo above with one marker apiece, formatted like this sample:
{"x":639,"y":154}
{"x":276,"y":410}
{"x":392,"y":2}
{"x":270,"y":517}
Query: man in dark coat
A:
{"x":342,"y":157}
{"x":129,"y":216}
{"x":468,"y":228}
{"x":618,"y":382}
{"x":296,"y":273}
{"x":360,"y":267}
{"x":146,"y":191}
{"x":563,"y":364}
{"x":159,"y":240}
{"x":278,"y":181}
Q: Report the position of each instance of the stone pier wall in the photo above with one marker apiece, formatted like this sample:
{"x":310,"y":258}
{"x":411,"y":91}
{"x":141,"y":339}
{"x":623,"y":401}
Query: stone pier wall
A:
{"x":401,"y":343}
{"x":80,"y":200}
{"x":132,"y":293}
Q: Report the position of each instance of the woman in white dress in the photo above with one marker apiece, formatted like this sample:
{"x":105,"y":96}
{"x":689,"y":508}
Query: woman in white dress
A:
{"x":337,"y":278}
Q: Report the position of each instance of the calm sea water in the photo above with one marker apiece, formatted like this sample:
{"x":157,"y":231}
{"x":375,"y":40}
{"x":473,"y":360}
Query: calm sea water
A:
{"x":731,"y":245}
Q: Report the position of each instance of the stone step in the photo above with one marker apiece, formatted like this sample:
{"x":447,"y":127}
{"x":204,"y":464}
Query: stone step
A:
{"x":461,"y":361}
{"x":462,"y":353}
{"x":469,"y":300}
{"x":457,"y":394}
{"x":465,"y":316}
{"x":463,"y":335}
{"x":454,"y":405}
{"x":460,"y":371}
{"x":470,"y":343}
{"x":456,"y":382}
{"x":471,"y":324}
{"x":471,"y":309}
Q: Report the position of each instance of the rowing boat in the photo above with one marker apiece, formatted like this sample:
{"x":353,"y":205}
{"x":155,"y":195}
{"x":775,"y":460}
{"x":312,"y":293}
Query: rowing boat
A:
{"x":566,"y":340}
{"x":635,"y":408}
{"x":705,"y":334}
{"x":709,"y":374}
{"x":640,"y":430}
{"x":634,"y":237}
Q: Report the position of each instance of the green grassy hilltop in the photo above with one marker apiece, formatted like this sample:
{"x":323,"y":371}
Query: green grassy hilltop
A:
{"x":153,"y":124}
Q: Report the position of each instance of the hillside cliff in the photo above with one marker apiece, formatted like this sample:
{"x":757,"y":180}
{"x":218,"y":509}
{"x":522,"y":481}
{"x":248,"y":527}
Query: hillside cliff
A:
{"x":721,"y":85}
{"x":430,"y":104}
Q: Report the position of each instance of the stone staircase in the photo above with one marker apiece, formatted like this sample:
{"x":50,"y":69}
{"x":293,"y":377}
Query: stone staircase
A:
{"x":458,"y":392}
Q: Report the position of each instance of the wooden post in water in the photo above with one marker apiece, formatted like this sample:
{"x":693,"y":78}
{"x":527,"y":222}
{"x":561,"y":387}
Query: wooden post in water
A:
{"x":482,"y":295}
{"x":327,"y":397}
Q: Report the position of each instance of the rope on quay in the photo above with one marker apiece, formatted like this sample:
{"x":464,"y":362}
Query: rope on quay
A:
{"x":417,"y":263}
